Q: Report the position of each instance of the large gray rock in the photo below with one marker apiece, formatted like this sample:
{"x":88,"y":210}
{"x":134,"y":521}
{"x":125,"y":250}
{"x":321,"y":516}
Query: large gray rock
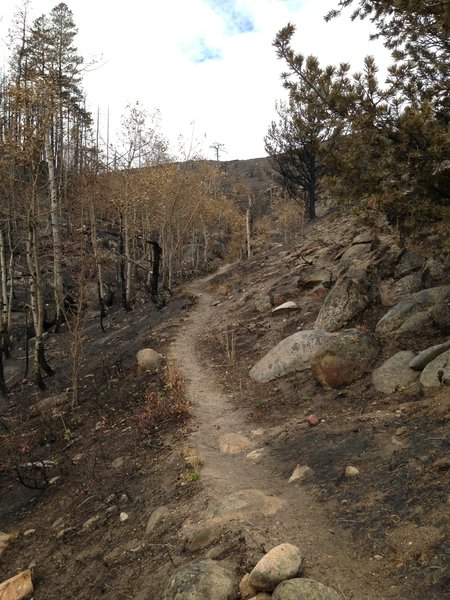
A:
{"x":395,"y":374}
{"x":304,"y":589}
{"x":436,"y":374}
{"x":411,"y":314}
{"x":201,"y":580}
{"x":345,"y":357}
{"x":393,"y":291}
{"x":419,"y":362}
{"x":347,"y":298}
{"x":280,"y":563}
{"x":292,"y":354}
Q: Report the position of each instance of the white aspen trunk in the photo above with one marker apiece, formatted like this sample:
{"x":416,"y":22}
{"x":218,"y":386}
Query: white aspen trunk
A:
{"x":36,"y":307}
{"x":56,"y":231}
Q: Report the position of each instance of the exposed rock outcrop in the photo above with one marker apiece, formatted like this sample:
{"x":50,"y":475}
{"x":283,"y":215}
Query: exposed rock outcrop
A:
{"x":344,"y":357}
{"x":412,"y":314}
{"x":294,"y":353}
{"x":395,"y":374}
{"x":347,"y":298}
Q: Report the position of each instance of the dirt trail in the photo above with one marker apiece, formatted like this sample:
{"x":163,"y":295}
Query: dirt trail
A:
{"x":330,"y":555}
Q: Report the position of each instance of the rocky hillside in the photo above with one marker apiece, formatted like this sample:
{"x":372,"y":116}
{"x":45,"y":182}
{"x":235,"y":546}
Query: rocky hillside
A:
{"x":319,"y":383}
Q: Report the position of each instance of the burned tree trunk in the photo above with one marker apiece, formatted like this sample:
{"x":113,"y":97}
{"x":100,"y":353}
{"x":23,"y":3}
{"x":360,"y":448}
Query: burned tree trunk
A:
{"x":157,"y":252}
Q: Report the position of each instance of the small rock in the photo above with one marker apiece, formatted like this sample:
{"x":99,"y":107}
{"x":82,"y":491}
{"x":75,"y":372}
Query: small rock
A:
{"x":117,"y":463}
{"x":149,"y":360}
{"x":159,"y":514}
{"x":123,"y":517}
{"x":264,"y":304}
{"x":419,"y":362}
{"x":87,"y":524}
{"x":395,"y":374}
{"x":301,"y":472}
{"x":307,"y":589}
{"x":436,"y":374}
{"x":201,"y":579}
{"x":53,"y":480}
{"x":401,"y":431}
{"x":29,"y":532}
{"x":57,"y":523}
{"x":77,"y":458}
{"x":378,"y":556}
{"x":313,"y":420}
{"x":64,"y":532}
{"x":285,"y":306}
{"x":246,"y":590}
{"x":256,"y":455}
{"x":280,"y":563}
{"x":233,"y":443}
{"x":123,"y":498}
{"x":351,"y":471}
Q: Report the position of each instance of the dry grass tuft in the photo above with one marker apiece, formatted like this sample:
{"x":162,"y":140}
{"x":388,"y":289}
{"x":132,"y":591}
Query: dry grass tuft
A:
{"x":167,"y":403}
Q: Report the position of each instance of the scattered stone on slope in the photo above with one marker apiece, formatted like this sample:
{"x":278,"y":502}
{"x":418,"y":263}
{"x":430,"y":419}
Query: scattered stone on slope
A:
{"x":312,"y":276}
{"x":52,"y":404}
{"x":395,"y":373}
{"x":18,"y":587}
{"x":158,"y":516}
{"x":233,"y":443}
{"x":393,"y":291}
{"x":201,"y":580}
{"x":246,"y":591}
{"x":351,"y":472}
{"x":346,"y":299}
{"x":292,"y":354}
{"x":149,"y":360}
{"x":344,"y":357}
{"x":436,"y":271}
{"x":412,"y":314}
{"x":355,"y":252}
{"x":366,"y":237}
{"x":263,"y":304}
{"x":436,"y":374}
{"x":5,"y":538}
{"x":280,"y":563}
{"x":301,"y":473}
{"x":256,"y":455}
{"x":409,"y":262}
{"x":306,"y":589}
{"x":419,"y":362}
{"x":290,"y":305}
{"x":440,"y":313}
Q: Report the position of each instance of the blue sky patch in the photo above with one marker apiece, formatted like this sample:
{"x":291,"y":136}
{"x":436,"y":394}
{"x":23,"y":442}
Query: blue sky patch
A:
{"x":201,"y":52}
{"x":236,"y":21}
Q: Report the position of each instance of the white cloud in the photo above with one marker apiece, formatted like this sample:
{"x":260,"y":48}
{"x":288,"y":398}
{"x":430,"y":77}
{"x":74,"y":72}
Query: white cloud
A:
{"x":208,"y":65}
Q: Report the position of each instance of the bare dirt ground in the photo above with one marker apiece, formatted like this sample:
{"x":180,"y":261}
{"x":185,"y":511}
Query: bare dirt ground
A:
{"x":383,"y":535}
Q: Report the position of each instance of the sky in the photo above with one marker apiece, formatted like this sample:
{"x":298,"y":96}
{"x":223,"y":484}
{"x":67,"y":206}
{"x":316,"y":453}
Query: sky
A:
{"x":207,"y":66}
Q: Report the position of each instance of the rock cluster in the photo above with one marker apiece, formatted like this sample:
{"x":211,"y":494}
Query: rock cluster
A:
{"x":369,"y":272}
{"x":276,"y":576}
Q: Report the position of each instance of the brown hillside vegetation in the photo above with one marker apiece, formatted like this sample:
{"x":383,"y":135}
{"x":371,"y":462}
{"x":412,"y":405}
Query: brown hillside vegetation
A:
{"x":109,"y":496}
